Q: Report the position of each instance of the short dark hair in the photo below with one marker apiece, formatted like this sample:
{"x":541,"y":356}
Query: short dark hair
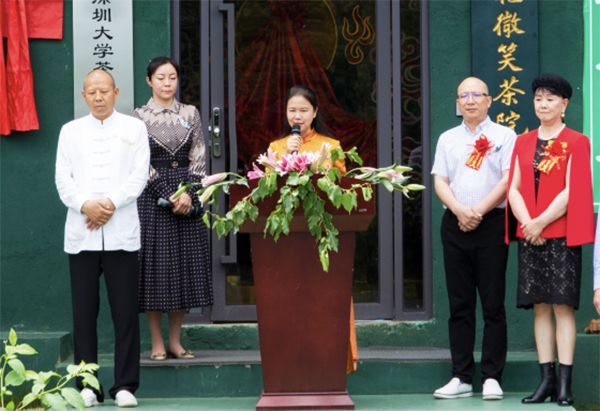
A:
{"x":554,"y":84}
{"x":156,"y":62}
{"x":309,"y":95}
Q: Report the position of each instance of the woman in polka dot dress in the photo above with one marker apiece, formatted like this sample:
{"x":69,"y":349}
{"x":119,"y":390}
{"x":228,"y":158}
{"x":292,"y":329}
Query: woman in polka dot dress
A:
{"x":174,"y":265}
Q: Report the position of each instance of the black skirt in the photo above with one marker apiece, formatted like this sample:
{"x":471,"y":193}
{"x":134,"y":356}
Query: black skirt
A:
{"x":549,"y":274}
{"x":175,"y":270}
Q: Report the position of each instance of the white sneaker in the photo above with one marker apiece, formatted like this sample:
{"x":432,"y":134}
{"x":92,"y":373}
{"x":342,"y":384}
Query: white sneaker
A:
{"x":492,"y":390}
{"x":454,"y":389}
{"x":89,"y":398}
{"x":125,"y":399}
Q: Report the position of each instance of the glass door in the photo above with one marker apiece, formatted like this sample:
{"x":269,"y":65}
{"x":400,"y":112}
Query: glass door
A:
{"x":238,"y":59}
{"x":257,"y":50}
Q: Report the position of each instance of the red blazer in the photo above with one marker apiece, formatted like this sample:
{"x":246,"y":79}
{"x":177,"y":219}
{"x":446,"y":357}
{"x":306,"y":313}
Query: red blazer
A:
{"x":577,"y":224}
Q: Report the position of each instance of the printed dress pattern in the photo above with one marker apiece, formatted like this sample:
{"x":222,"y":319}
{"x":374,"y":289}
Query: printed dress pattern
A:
{"x":174,"y":262}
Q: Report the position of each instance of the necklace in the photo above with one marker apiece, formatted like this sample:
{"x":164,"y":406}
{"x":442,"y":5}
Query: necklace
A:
{"x":551,"y":136}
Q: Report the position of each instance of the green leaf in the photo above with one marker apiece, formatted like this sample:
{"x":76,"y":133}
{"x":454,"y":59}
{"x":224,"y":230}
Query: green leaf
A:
{"x":387,"y":185}
{"x":337,"y":154}
{"x":54,"y":401}
{"x":262,"y":188}
{"x":46,"y":375}
{"x":37,"y":388}
{"x":252,"y":212}
{"x":323,"y":183}
{"x":73,"y":369}
{"x":25,"y":349}
{"x":221,"y":228}
{"x":349,"y":201}
{"x":367,"y":192}
{"x":289,"y":201}
{"x":31,"y":375}
{"x":17,"y":366}
{"x":324,"y":258}
{"x":12,"y":337}
{"x":73,"y":397}
{"x":272,"y":224}
{"x":335,"y":195}
{"x":10,"y":406}
{"x":304,"y":179}
{"x":28,"y":399}
{"x":90,"y":380}
{"x":293,"y":179}
{"x":89,"y":367}
{"x":353,"y":155}
{"x":255,"y":194}
{"x":271,"y":182}
{"x":206,"y":219}
{"x":334,"y":174}
{"x":14,"y":379}
{"x":309,"y":202}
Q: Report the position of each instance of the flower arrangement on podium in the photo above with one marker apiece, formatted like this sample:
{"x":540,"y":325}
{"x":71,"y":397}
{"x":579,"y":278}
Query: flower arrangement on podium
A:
{"x":296,"y":178}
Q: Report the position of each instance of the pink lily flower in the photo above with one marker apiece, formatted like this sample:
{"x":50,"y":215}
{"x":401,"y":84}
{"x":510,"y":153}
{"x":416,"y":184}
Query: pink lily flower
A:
{"x":213,"y":179}
{"x":268,"y":160}
{"x":255,"y":173}
{"x":294,"y":162}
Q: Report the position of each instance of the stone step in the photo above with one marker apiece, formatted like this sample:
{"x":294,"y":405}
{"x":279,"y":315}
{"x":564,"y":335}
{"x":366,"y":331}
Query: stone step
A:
{"x":381,"y":370}
{"x":52,"y":346}
{"x":245,"y":336}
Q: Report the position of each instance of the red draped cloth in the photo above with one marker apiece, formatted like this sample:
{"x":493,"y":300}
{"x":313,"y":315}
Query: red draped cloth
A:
{"x":21,"y":103}
{"x":44,"y":19}
{"x":4,"y":119}
{"x":20,"y":20}
{"x":279,"y":56}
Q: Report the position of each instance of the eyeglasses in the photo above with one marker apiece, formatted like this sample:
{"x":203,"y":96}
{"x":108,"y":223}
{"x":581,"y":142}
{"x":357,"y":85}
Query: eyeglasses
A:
{"x":476,"y":95}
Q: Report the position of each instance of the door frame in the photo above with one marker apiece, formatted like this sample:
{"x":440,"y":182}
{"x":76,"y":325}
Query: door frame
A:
{"x":390,"y":306}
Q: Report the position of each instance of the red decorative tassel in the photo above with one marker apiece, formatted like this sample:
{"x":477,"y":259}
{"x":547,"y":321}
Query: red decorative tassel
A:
{"x":481,"y":148}
{"x":554,"y":151}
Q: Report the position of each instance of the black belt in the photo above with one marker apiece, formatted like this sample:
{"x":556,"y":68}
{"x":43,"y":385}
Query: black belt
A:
{"x":170,"y":163}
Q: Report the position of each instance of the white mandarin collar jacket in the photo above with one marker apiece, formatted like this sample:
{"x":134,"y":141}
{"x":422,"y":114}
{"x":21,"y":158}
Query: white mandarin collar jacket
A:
{"x":99,"y":159}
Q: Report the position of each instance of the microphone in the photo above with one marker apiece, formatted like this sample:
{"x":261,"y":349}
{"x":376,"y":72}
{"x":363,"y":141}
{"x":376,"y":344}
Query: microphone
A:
{"x":296,"y":132}
{"x":195,"y":212}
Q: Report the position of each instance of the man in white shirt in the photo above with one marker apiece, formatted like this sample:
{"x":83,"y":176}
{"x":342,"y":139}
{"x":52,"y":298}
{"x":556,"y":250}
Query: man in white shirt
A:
{"x":102,"y":167}
{"x":470,"y":172}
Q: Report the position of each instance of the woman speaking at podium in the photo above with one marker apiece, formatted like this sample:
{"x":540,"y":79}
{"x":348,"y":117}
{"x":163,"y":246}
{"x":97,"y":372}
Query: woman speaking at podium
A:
{"x":306,"y":132}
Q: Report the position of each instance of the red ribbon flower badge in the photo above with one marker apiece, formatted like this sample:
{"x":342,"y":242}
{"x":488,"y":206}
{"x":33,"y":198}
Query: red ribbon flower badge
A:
{"x":481,"y":148}
{"x":554,"y":152}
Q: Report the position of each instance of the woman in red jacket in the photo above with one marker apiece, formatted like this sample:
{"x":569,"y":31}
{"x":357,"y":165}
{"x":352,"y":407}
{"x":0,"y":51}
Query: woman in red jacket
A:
{"x":550,"y":194}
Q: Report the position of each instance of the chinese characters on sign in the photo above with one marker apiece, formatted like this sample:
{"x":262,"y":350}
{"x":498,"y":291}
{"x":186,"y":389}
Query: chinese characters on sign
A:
{"x":103,"y":38}
{"x":505,"y":54}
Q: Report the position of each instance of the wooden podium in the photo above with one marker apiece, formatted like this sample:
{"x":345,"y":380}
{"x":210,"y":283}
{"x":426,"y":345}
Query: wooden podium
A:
{"x":303,"y":312}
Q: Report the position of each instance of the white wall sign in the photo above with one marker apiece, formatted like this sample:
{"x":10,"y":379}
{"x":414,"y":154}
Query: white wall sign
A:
{"x":103,"y":37}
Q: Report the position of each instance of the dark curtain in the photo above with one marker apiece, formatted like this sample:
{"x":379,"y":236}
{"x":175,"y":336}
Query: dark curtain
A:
{"x":280,"y":56}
